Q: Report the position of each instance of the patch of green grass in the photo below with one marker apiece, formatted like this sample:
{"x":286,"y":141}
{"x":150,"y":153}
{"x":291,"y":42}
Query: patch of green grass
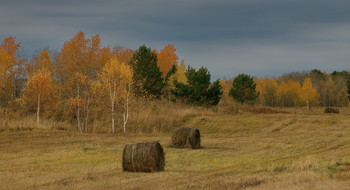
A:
{"x":332,"y":170}
{"x":342,"y":164}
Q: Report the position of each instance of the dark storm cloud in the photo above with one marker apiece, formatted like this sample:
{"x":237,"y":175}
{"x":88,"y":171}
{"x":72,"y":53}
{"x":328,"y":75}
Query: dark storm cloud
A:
{"x":267,"y":37}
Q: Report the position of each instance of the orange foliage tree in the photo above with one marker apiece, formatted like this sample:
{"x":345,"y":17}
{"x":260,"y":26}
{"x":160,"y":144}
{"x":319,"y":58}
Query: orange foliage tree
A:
{"x":79,"y":55}
{"x":44,"y":60}
{"x":82,"y":55}
{"x":8,"y":68}
{"x":167,"y":58}
{"x":123,"y":54}
{"x":78,"y":64}
{"x":307,"y":94}
{"x":267,"y":89}
{"x":39,"y":90}
{"x":41,"y":61}
{"x":287,"y":93}
{"x":167,"y":63}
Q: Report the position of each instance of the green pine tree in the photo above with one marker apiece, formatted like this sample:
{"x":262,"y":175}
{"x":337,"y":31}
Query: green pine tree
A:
{"x":214,"y":93}
{"x":148,"y":81}
{"x":198,"y":90}
{"x":198,"y":82}
{"x":244,"y":89}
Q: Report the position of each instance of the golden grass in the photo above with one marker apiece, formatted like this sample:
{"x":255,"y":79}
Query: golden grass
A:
{"x":300,"y":150}
{"x":29,"y":123}
{"x":145,"y":117}
{"x":162,"y":116}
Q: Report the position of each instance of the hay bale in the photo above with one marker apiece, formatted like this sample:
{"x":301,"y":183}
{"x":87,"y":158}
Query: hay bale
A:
{"x":331,"y":110}
{"x":143,"y":157}
{"x":186,"y":137}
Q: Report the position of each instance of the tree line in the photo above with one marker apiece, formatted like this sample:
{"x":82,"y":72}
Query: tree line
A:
{"x":314,"y":88}
{"x":85,"y":78}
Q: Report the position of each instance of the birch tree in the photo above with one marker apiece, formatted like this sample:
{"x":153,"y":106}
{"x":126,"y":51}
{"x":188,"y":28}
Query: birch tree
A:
{"x":307,"y":94}
{"x":40,"y":61}
{"x":116,"y":83}
{"x":82,"y":98}
{"x":267,"y":89}
{"x":126,"y":92}
{"x":38,"y":89}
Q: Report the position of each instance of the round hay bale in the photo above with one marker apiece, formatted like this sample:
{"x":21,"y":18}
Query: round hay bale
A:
{"x":143,"y":157}
{"x":186,"y":137}
{"x":331,"y":110}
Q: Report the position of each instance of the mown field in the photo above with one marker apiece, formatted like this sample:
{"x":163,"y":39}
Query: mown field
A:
{"x":296,"y":150}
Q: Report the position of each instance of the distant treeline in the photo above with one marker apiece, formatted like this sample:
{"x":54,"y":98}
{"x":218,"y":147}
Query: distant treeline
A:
{"x":84,"y":78}
{"x":313,"y":88}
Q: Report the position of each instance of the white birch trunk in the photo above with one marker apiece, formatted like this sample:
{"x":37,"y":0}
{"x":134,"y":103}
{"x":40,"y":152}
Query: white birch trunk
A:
{"x":78,"y":109}
{"x":113,"y":95}
{"x":87,"y":113}
{"x":113,"y":117}
{"x":38,"y":112}
{"x":126,"y":108}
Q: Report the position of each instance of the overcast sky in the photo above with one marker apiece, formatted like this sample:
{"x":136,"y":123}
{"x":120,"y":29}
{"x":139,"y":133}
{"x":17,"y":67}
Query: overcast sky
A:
{"x":264,"y":38}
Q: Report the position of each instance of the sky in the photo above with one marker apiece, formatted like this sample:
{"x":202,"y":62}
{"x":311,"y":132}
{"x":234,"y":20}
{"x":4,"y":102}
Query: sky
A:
{"x":262,"y":38}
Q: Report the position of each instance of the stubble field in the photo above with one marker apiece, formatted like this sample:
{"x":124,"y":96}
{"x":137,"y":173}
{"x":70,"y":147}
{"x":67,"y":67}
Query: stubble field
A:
{"x":295,"y":150}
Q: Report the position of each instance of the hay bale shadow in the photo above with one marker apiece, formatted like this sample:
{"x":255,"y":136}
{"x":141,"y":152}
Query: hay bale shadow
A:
{"x":331,"y":110}
{"x":186,"y":137}
{"x":143,"y":157}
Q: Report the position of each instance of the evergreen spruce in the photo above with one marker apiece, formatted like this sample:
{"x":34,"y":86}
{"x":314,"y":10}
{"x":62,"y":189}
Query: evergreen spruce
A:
{"x":148,"y":81}
{"x":244,"y":89}
{"x":198,"y":90}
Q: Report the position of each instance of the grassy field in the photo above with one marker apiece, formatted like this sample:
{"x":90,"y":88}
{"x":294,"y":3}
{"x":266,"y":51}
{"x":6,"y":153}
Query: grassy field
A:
{"x":298,"y":150}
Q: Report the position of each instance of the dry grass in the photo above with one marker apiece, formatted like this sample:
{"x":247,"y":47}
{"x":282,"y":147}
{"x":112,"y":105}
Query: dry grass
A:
{"x":20,"y":123}
{"x":300,"y":150}
{"x":162,"y":116}
{"x":145,"y":117}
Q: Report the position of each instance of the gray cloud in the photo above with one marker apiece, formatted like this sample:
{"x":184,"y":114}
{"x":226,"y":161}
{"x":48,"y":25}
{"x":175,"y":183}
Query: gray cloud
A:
{"x":263,"y":38}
